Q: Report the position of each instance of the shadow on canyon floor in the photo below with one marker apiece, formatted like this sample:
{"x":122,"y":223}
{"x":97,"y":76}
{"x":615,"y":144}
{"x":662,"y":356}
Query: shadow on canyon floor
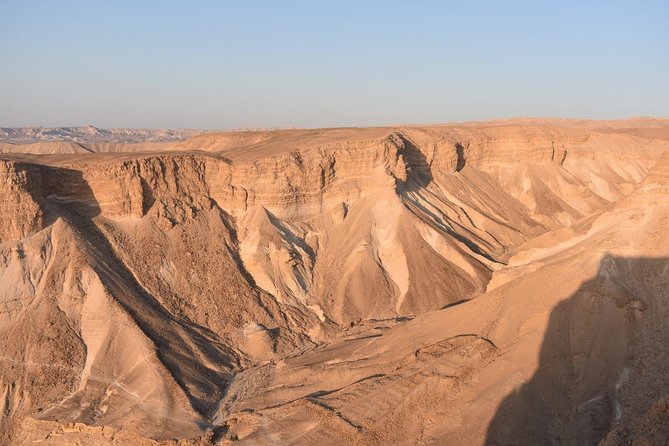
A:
{"x":602,"y":376}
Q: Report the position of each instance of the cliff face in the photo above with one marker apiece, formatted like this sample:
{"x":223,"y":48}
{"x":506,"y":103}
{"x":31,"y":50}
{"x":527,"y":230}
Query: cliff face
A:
{"x":162,"y":274}
{"x":22,"y":214}
{"x":314,"y":224}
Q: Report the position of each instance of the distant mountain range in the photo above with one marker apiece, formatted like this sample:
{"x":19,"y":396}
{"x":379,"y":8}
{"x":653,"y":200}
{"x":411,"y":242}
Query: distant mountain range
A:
{"x":92,"y":134}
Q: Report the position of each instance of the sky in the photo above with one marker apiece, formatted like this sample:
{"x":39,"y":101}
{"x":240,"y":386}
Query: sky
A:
{"x":249,"y":64}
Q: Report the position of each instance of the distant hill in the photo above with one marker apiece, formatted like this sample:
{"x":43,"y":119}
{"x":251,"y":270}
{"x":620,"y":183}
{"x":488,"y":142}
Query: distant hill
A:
{"x":92,"y":134}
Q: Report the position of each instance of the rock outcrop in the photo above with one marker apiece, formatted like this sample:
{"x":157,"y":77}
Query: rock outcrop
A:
{"x":267,"y":286}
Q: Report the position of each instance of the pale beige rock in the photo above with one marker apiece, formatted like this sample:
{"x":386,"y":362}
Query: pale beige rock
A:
{"x":480,"y":283}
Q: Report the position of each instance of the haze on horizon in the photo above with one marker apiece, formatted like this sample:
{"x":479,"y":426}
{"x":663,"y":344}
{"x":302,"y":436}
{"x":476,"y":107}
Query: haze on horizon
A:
{"x":307,"y":64}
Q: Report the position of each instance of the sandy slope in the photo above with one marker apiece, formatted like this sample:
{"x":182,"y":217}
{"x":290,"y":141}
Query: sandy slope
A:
{"x":561,"y":354}
{"x":398,"y":285}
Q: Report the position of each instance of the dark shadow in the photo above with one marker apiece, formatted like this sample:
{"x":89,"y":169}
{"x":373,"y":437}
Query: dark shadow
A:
{"x":604,"y":365}
{"x":290,"y":235}
{"x":456,"y":303}
{"x":412,"y":191}
{"x":460,"y":151}
{"x":35,"y":185}
{"x":420,"y":172}
{"x":68,"y":188}
{"x":147,"y":196}
{"x":47,"y":184}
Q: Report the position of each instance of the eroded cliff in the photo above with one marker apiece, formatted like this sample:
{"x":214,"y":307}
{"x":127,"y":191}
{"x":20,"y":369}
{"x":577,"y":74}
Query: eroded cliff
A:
{"x":170,"y":287}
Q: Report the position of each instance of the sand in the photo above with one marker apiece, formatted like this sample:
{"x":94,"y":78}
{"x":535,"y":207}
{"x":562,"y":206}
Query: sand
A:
{"x":481,"y":283}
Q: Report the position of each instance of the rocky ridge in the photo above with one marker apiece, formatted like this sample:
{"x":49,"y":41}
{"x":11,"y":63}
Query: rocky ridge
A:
{"x":231,"y":254}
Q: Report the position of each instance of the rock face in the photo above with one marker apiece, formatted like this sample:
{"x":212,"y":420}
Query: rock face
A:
{"x":384,"y":285}
{"x":23,"y":215}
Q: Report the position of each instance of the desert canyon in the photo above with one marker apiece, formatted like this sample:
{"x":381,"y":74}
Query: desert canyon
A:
{"x":484,"y":283}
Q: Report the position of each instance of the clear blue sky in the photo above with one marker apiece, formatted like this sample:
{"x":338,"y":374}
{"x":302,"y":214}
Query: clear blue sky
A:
{"x":232,"y":64}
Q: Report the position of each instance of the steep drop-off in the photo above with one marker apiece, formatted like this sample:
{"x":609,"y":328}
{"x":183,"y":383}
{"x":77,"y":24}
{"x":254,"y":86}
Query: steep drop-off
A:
{"x":261,"y":286}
